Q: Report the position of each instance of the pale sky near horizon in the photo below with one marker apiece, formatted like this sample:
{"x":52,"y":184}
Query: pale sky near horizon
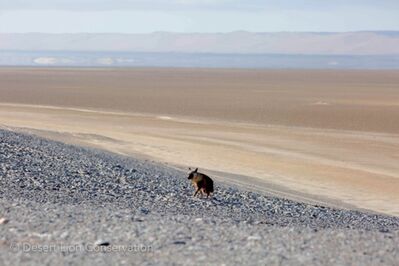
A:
{"x":143,"y":16}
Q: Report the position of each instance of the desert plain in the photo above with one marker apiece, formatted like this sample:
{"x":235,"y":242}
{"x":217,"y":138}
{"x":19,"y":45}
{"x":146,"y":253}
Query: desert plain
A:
{"x":329,"y":136}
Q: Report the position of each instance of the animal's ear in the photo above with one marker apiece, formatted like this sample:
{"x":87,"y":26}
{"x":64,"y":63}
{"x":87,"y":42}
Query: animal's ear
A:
{"x":189,"y":168}
{"x":196,"y":169}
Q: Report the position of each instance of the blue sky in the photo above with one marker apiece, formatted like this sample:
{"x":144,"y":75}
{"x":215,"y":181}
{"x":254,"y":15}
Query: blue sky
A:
{"x":142,"y":16}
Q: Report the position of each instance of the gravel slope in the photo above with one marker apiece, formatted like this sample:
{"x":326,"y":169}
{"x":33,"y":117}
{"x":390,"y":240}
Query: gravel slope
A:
{"x":90,"y":206}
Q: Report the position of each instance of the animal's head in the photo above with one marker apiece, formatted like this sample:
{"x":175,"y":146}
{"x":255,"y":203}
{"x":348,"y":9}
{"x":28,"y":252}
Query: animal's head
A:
{"x":192,"y":172}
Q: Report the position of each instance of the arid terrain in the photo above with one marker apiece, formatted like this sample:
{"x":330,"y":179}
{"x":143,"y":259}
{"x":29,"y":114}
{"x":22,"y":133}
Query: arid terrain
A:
{"x":80,"y":205}
{"x":318,"y":135}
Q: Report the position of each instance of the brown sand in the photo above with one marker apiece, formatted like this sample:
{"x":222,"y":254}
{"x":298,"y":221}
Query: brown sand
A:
{"x":330,"y":134}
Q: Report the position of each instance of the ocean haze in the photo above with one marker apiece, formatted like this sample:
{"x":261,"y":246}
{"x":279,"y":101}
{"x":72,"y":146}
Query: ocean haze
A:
{"x":241,"y":49}
{"x":192,"y":60}
{"x":243,"y":42}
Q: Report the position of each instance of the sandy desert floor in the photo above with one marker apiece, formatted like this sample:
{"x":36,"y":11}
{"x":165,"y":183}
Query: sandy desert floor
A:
{"x":318,"y":135}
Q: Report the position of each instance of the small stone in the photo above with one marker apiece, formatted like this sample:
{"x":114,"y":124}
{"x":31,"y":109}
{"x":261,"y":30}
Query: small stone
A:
{"x":3,"y":221}
{"x":64,"y":234}
{"x":102,"y":243}
{"x":137,"y":219}
{"x":254,"y":238}
{"x":178,"y":242}
{"x":144,"y":210}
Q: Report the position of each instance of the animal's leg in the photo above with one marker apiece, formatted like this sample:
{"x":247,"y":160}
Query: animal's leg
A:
{"x":196,"y":192}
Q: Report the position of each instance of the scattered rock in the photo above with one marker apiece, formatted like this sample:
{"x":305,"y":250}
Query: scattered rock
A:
{"x":178,"y":242}
{"x":81,"y":195}
{"x":102,"y":243}
{"x":254,"y":238}
{"x":3,"y":221}
{"x":64,"y":235}
{"x":144,"y":210}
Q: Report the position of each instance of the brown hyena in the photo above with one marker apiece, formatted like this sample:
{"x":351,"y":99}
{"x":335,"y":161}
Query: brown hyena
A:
{"x":201,"y":182}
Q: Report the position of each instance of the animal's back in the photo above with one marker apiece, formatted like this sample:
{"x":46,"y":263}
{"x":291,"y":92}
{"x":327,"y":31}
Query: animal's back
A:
{"x":206,"y":182}
{"x":203,"y":181}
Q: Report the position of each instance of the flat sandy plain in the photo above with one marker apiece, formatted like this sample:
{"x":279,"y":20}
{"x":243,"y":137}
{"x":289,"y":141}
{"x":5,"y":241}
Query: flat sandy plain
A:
{"x":319,"y":135}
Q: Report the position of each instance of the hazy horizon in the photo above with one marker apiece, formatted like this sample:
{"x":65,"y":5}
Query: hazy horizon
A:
{"x":309,"y":33}
{"x":236,"y":42}
{"x":353,"y":50}
{"x":204,"y":32}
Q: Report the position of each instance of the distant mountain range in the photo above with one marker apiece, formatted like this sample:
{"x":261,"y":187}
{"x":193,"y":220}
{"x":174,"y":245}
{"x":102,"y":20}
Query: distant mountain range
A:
{"x":241,"y":42}
{"x":352,"y":50}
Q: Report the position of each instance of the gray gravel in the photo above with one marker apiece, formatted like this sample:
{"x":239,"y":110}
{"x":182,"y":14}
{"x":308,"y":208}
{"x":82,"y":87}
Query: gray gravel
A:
{"x":74,"y":205}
